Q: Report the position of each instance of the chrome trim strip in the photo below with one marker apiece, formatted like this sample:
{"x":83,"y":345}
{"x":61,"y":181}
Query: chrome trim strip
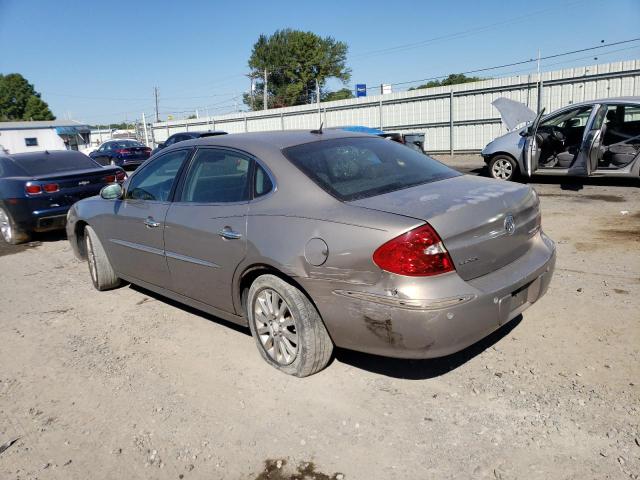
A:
{"x":137,"y":246}
{"x":186,"y":258}
{"x":406,"y":303}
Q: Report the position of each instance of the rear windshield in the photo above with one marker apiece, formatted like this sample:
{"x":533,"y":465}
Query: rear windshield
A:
{"x":353,"y":168}
{"x":45,"y":164}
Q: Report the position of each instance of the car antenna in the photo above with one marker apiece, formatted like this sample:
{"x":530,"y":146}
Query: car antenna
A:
{"x":318,"y":131}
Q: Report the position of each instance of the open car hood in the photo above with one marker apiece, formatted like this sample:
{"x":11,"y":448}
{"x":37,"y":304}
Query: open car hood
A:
{"x":513,"y":113}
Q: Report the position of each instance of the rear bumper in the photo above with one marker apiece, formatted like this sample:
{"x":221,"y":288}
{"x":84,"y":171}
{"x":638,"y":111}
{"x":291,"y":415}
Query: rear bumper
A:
{"x":133,"y":162}
{"x":443,"y":315}
{"x":46,"y":220}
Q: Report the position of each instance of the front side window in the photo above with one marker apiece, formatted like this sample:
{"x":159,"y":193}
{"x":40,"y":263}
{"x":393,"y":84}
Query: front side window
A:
{"x":154,"y":182}
{"x":217,"y":176}
{"x":573,"y":118}
{"x":357,"y":167}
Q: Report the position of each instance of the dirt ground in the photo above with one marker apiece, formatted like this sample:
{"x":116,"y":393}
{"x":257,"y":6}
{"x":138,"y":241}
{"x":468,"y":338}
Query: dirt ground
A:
{"x":124,"y":384}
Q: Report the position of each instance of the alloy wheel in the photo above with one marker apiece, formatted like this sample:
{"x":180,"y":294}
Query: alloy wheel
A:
{"x":276,"y":327}
{"x":502,"y":169}
{"x":5,"y":227}
{"x":91,"y":259}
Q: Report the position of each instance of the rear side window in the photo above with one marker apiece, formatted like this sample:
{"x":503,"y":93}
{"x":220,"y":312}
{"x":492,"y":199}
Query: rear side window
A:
{"x":353,"y":168}
{"x":45,"y":163}
{"x":263,"y":184}
{"x":217,"y":176}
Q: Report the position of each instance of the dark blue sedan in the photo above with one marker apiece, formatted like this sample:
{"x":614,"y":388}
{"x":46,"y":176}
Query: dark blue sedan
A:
{"x":37,"y":189}
{"x":121,"y":153}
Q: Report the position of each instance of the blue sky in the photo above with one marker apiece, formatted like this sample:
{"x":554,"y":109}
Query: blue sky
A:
{"x":99,"y":61}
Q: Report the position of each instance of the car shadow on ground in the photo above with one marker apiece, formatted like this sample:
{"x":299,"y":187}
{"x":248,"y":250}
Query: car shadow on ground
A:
{"x":391,"y":367}
{"x":423,"y":369}
{"x":191,"y":310}
{"x":565,"y":183}
{"x":37,"y":239}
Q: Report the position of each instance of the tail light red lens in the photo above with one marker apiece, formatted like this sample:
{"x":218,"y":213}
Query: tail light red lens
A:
{"x":51,"y":187}
{"x":33,"y":189}
{"x":417,"y":253}
{"x":109,"y":179}
{"x":124,"y":151}
{"x":121,"y":176}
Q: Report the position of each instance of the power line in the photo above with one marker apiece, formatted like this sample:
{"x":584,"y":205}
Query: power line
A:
{"x":522,"y":62}
{"x":460,"y":34}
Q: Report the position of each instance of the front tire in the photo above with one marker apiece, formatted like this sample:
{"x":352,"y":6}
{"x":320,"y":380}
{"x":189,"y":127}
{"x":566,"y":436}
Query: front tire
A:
{"x":102,"y":274}
{"x":503,"y":167}
{"x":287,"y":328}
{"x":9,"y":230}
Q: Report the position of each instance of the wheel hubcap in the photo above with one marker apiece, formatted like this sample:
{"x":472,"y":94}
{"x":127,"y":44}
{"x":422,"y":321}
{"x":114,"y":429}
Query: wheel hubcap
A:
{"x":275,"y":327}
{"x":5,"y":226}
{"x":502,"y":169}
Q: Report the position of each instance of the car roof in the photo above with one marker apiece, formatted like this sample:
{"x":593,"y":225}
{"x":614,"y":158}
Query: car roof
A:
{"x":274,"y":140}
{"x":607,"y":100}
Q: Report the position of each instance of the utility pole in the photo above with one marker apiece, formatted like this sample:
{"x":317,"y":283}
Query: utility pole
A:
{"x":318,"y":101}
{"x":251,"y":91}
{"x":155,"y":94}
{"x":539,"y":84}
{"x":265,"y":93}
{"x":144,"y":126}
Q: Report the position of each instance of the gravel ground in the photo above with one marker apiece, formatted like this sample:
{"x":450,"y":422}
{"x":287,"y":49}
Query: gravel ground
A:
{"x":125,"y":384}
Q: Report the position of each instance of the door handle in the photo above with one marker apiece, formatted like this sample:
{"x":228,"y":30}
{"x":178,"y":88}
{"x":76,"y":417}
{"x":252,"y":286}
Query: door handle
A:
{"x":151,"y":223}
{"x":229,"y":234}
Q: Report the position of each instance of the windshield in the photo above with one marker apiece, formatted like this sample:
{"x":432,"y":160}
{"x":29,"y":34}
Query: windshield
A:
{"x":353,"y":168}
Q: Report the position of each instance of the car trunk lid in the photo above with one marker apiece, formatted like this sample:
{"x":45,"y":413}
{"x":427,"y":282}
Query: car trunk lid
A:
{"x":473,"y":217}
{"x":75,"y":185}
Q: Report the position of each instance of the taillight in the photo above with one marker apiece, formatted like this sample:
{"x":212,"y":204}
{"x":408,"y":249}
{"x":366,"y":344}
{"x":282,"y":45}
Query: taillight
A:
{"x":109,"y":179}
{"x":33,"y":189}
{"x":121,"y":176}
{"x":51,"y":187}
{"x":417,"y":253}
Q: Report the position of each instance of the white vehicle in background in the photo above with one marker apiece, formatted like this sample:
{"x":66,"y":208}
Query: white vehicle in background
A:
{"x":595,"y":138}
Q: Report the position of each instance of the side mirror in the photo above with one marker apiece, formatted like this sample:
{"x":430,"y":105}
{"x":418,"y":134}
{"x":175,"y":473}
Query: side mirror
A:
{"x":525,"y":132}
{"x":111,"y":192}
{"x":161,"y":145}
{"x":91,"y":154}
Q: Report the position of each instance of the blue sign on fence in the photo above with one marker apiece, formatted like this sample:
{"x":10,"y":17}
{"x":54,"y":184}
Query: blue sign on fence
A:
{"x":361,"y":90}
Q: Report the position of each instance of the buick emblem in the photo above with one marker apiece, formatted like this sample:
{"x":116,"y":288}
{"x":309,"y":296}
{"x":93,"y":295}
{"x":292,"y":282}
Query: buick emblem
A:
{"x":509,"y":224}
{"x":84,"y":182}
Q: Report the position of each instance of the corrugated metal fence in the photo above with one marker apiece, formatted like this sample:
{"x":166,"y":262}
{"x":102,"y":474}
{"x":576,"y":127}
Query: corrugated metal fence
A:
{"x":458,"y":118}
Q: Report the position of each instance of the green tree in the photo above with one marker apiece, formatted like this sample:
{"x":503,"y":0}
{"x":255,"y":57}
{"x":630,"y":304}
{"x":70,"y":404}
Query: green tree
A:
{"x":294,"y":60}
{"x":20,"y":101}
{"x":341,"y":94}
{"x":453,"y":79}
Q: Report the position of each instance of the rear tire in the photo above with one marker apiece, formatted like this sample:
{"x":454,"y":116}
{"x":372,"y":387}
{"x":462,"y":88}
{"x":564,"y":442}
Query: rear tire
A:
{"x":102,"y":274}
{"x":503,"y":167}
{"x":9,"y":230}
{"x":287,"y":328}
